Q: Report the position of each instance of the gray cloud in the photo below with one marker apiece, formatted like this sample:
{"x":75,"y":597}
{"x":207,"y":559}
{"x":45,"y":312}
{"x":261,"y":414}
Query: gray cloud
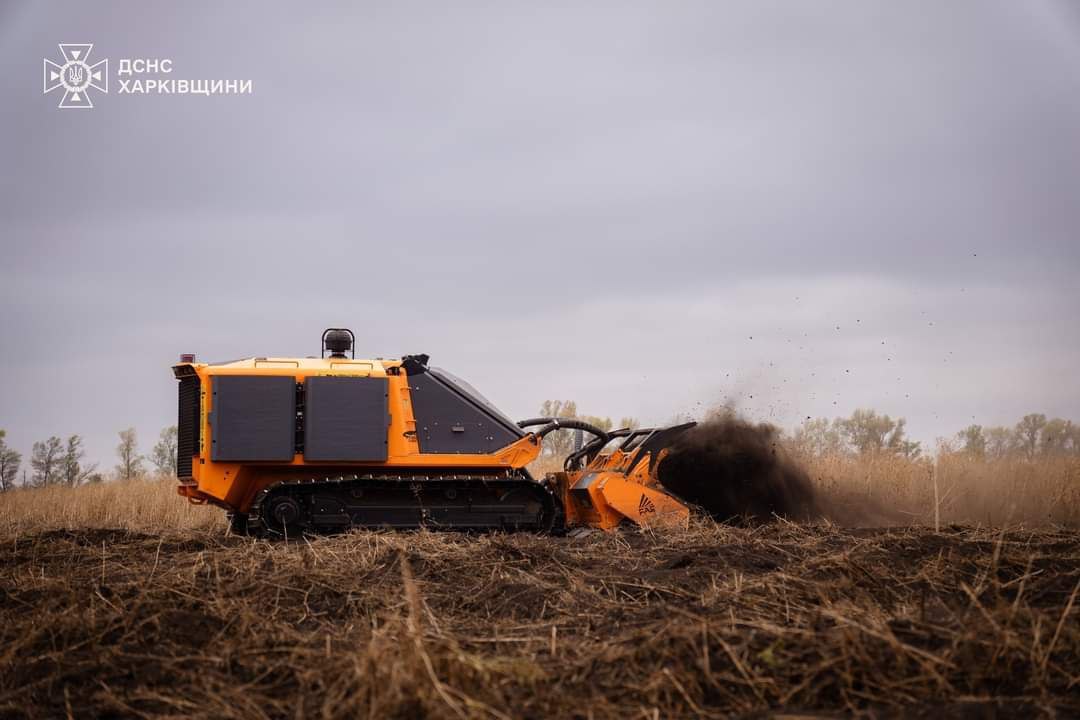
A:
{"x":603,"y":203}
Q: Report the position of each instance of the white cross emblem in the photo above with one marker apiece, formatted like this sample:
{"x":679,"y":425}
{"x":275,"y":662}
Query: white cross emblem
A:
{"x":76,"y":76}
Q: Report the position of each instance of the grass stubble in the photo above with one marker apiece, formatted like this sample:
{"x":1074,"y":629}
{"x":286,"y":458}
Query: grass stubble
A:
{"x":122,"y":600}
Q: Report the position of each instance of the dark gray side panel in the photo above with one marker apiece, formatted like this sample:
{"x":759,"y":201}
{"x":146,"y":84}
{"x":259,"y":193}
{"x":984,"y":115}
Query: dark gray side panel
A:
{"x":345,"y":419}
{"x":448,"y":423}
{"x":253,"y":418}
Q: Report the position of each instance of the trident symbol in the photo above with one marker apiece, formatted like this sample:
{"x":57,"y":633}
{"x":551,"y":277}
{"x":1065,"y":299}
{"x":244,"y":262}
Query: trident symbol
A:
{"x":76,"y":76}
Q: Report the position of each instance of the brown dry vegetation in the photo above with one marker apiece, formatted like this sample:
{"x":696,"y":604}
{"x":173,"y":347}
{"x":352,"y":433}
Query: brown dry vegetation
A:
{"x":888,"y":489}
{"x":143,"y":504}
{"x":122,"y":600}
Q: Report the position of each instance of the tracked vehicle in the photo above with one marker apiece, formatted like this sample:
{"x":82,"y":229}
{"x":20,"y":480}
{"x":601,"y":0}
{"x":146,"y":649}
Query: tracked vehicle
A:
{"x":322,"y":444}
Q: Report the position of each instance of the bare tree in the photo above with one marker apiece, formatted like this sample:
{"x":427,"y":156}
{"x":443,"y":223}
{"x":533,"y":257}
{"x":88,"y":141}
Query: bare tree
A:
{"x":1073,"y":445}
{"x":973,"y":440}
{"x":819,"y":437}
{"x":9,"y":464}
{"x":74,"y":472}
{"x":1055,"y":437}
{"x":1028,"y":431}
{"x":47,"y":461}
{"x":163,"y":454}
{"x":558,"y":408}
{"x":867,"y":432}
{"x":128,"y":452}
{"x":1000,"y":442}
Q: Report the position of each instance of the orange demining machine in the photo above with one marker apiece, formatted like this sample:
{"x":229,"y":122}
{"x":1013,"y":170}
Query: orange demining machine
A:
{"x":322,"y":444}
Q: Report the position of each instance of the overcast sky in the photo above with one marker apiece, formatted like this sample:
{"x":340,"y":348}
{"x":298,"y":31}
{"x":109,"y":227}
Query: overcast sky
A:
{"x":646,"y":207}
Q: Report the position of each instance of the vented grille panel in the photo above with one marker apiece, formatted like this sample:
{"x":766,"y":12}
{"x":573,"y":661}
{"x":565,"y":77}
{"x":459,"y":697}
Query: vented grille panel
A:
{"x":187,"y":425}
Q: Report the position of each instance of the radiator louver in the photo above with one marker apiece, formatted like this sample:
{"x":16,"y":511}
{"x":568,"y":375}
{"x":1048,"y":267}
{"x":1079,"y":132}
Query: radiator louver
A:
{"x":187,"y":426}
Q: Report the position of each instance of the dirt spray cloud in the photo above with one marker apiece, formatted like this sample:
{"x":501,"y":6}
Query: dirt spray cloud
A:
{"x":735,"y":469}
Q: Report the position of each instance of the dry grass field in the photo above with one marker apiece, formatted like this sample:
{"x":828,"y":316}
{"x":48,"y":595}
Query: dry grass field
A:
{"x":120,"y":600}
{"x":962,"y":489}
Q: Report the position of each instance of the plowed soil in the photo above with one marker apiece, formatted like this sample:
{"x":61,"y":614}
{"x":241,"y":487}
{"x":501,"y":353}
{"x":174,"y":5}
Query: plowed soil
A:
{"x":714,"y":621}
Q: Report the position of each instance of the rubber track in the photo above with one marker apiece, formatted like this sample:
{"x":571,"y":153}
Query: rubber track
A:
{"x":441,"y":502}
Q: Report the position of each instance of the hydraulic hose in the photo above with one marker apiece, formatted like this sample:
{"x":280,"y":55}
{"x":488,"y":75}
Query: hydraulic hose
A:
{"x":570,"y":424}
{"x":534,"y":421}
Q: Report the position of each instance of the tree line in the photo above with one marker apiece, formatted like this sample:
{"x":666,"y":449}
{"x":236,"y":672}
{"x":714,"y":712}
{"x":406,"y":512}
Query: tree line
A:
{"x":1033,"y":436}
{"x":867,"y":432}
{"x":61,"y":462}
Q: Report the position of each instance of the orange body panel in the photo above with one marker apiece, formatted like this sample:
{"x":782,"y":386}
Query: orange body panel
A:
{"x":606,"y":499}
{"x":608,"y":492}
{"x":646,"y":506}
{"x":234,"y":485}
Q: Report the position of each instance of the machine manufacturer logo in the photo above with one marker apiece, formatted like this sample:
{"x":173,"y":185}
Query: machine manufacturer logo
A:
{"x":76,"y":76}
{"x":645,"y":506}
